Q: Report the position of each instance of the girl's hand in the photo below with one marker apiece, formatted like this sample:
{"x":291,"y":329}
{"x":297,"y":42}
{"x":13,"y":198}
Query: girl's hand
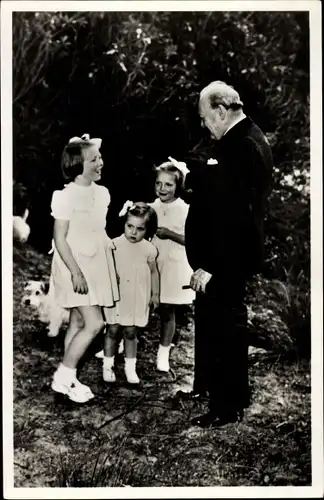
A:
{"x":79,"y":282}
{"x":163,"y":233}
{"x":154,"y":302}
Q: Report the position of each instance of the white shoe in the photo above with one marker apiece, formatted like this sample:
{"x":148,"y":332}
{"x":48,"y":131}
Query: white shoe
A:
{"x":162,"y":360}
{"x":77,"y":392}
{"x":130,"y":371}
{"x":100,"y":354}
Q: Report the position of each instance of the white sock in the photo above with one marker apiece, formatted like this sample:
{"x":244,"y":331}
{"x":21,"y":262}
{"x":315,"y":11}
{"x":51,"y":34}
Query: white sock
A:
{"x":108,"y":362}
{"x":65,"y":372}
{"x":130,"y":362}
{"x":164,"y":349}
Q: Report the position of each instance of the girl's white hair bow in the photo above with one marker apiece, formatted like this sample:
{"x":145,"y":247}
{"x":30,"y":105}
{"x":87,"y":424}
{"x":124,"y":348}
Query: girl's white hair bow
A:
{"x":181,"y":165}
{"x":127,"y":205}
{"x":86,"y":137}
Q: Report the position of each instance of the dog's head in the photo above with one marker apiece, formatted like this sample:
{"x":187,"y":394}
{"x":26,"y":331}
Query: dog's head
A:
{"x":34,"y":292}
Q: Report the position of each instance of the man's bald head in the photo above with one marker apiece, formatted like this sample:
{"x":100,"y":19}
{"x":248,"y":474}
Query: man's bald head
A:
{"x":219,"y":106}
{"x":220,"y":93}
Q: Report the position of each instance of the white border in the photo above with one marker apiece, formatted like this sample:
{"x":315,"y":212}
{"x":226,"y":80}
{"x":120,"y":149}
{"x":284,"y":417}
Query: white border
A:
{"x":317,"y":488}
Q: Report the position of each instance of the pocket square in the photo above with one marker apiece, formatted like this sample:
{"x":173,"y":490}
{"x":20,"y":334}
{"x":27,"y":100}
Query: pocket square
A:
{"x":212,"y":161}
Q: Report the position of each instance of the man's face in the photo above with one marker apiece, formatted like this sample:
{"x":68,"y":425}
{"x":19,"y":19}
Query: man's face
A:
{"x":213,"y":119}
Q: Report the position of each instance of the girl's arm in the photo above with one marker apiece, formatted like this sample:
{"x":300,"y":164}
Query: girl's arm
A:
{"x":165,"y":233}
{"x":155,"y":285}
{"x":61,"y":228}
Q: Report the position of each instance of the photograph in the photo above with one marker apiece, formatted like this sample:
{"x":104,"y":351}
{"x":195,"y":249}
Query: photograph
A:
{"x":161,"y":187}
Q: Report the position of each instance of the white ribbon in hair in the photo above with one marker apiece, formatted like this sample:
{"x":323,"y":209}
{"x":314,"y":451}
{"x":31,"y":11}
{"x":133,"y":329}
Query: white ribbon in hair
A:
{"x":127,"y":205}
{"x":86,"y":137}
{"x":181,"y":165}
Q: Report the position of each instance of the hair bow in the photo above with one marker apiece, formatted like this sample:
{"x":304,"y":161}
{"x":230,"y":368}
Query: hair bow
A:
{"x":127,"y":206}
{"x":86,"y":138}
{"x":181,"y":165}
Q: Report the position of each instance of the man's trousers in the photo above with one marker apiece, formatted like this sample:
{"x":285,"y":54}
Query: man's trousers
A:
{"x":221,"y":347}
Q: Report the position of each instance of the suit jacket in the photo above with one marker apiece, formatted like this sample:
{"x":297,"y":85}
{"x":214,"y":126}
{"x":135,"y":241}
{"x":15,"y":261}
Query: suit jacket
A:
{"x":224,"y":229}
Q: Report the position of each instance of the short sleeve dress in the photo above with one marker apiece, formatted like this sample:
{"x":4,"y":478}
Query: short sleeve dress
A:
{"x":132,"y":264}
{"x":172,"y":260}
{"x":85,"y":207}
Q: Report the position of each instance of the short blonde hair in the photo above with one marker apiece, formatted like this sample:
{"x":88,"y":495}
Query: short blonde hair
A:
{"x":220,"y":93}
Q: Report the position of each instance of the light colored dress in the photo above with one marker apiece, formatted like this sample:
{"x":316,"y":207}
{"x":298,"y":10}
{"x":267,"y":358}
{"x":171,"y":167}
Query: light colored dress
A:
{"x":172,"y":260}
{"x":85,"y":207}
{"x":132,"y":264}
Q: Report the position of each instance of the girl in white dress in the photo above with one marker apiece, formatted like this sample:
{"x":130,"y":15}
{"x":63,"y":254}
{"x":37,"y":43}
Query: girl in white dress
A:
{"x":173,"y":266}
{"x":138,"y":277}
{"x":83,"y":271}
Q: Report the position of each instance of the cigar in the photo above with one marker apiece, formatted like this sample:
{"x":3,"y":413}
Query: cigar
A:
{"x":186,"y":287}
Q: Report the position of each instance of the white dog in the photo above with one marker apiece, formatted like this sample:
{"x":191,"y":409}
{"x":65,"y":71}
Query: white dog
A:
{"x":20,"y":228}
{"x":39,"y":295}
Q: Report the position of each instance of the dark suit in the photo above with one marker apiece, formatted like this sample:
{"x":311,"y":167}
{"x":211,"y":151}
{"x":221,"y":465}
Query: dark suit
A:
{"x":224,"y":236}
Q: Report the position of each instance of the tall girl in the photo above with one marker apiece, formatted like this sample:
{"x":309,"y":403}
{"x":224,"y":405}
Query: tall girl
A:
{"x":83,"y":272}
{"x":172,"y":260}
{"x":138,"y":278}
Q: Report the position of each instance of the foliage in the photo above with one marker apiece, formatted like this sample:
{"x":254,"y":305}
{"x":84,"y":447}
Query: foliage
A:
{"x":133,"y":78}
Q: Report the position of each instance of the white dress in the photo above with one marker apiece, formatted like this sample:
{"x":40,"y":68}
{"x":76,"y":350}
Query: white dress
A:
{"x":132,"y":265}
{"x":85,"y":207}
{"x":172,"y":259}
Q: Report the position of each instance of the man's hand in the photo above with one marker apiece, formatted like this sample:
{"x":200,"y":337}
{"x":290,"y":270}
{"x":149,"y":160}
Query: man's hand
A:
{"x":199,"y":280}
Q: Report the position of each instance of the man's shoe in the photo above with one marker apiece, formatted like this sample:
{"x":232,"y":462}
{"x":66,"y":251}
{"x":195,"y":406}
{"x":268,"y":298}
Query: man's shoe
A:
{"x":190,"y":395}
{"x":213,"y":420}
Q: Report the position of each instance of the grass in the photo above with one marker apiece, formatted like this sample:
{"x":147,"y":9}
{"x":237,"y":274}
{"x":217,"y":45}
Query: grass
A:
{"x":142,"y":437}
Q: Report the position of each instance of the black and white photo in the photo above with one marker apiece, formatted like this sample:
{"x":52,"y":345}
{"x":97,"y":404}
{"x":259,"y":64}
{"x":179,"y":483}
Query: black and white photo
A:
{"x":162,"y":249}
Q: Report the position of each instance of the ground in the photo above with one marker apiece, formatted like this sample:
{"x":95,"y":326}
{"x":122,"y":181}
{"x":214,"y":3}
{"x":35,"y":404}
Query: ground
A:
{"x":142,"y":437}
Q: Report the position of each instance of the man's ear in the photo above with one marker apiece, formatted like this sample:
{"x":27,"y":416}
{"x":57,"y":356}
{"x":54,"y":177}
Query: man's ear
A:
{"x":222,"y":111}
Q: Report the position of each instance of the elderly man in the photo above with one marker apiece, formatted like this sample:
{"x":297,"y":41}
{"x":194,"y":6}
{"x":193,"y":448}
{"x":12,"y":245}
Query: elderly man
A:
{"x":224,"y":245}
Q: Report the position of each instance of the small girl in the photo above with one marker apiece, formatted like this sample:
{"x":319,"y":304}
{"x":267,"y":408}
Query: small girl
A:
{"x":169,"y":240}
{"x":83,"y":272}
{"x":138,"y":276}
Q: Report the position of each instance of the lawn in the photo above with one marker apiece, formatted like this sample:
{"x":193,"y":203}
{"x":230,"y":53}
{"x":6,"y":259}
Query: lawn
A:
{"x":142,"y":436}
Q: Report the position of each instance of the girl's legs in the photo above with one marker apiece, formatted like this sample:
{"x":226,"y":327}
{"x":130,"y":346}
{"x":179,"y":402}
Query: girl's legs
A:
{"x":75,"y":324}
{"x":93,"y":324}
{"x":130,"y":339}
{"x":64,"y":379}
{"x":168,"y":326}
{"x":109,"y":353}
